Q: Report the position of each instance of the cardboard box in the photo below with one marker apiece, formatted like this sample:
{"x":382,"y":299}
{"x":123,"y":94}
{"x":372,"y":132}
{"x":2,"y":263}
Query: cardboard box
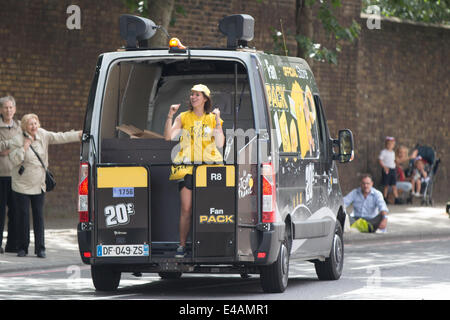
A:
{"x":134,"y":132}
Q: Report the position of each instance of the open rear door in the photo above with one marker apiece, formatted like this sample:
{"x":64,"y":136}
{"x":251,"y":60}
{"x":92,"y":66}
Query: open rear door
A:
{"x":122,"y":212}
{"x":215,"y":211}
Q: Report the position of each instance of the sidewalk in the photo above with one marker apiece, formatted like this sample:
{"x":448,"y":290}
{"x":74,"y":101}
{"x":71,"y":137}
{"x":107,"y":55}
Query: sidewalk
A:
{"x":405,"y":222}
{"x":61,"y":249}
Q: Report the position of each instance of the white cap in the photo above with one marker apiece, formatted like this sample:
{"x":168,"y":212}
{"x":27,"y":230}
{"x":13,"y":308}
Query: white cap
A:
{"x":202,"y":88}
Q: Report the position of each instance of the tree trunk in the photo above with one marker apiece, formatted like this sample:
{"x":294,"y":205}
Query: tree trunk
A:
{"x":304,"y":24}
{"x":160,"y":11}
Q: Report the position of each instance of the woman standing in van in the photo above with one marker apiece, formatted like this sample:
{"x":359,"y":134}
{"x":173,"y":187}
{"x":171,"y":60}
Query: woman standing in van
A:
{"x":201,"y":134}
{"x":28,"y":178}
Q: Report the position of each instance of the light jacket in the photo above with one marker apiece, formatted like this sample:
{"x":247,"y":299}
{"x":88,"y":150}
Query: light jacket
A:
{"x":32,"y":180}
{"x":7,"y":132}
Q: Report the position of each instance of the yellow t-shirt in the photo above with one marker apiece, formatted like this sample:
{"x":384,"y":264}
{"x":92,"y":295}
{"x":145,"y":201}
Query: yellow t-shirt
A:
{"x":197,"y":143}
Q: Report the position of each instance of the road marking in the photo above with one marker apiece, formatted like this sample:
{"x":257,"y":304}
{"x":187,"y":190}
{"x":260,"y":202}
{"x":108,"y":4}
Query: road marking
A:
{"x":31,"y":272}
{"x":371,"y":243}
{"x":119,"y":296}
{"x":398,"y":263}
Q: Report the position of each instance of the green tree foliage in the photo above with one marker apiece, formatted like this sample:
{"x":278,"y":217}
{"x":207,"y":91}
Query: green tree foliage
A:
{"x":141,"y":7}
{"x":162,"y":12}
{"x":334,"y":30}
{"x":307,"y":11}
{"x":137,"y":6}
{"x":428,"y":11}
{"x":325,"y":12}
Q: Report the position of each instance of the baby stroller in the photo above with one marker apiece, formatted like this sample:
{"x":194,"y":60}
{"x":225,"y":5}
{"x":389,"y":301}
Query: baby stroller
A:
{"x":429,"y":155}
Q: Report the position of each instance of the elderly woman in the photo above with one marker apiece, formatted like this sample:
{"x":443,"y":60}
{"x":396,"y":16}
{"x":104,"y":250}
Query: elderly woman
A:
{"x":9,"y":127}
{"x":201,"y":134}
{"x":28,"y":178}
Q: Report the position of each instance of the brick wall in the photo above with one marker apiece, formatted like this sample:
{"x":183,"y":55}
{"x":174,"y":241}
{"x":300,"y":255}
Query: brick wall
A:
{"x":392,"y":81}
{"x":200,"y":25}
{"x":48,"y":69}
{"x":403,"y":91}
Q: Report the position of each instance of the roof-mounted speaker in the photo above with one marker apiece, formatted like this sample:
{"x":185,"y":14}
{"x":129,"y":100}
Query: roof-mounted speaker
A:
{"x":134,"y":29}
{"x":239,"y":29}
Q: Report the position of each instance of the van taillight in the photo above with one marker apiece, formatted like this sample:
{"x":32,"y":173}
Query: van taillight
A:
{"x":269,"y":193}
{"x":83,"y":191}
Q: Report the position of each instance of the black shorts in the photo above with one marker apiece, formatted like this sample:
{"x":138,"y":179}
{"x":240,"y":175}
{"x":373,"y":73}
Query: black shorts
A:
{"x":186,"y":182}
{"x":389,"y":179}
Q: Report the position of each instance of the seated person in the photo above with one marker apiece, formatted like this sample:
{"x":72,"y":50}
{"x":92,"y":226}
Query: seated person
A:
{"x":419,"y":176}
{"x":401,"y":157}
{"x":368,"y":204}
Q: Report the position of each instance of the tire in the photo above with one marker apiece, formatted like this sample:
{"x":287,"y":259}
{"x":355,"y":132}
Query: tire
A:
{"x":105,"y":278}
{"x":274,"y":278}
{"x":170,"y":275}
{"x":331,"y":268}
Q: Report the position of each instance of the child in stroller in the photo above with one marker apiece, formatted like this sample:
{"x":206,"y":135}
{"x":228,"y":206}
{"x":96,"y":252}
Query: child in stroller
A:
{"x":423,"y":183}
{"x":419,"y":176}
{"x":403,"y":184}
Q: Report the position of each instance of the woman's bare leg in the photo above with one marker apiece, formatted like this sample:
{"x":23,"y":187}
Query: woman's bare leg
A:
{"x":186,"y":214}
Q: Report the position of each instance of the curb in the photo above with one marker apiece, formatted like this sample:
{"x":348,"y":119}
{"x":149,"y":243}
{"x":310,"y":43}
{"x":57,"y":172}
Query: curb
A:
{"x":354,"y":238}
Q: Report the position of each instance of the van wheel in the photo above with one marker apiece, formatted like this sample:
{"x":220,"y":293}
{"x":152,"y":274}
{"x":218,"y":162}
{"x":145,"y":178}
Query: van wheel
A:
{"x":105,"y":278}
{"x":170,"y":275}
{"x":331,"y":268}
{"x":274,"y":278}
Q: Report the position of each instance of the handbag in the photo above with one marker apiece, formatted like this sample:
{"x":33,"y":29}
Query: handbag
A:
{"x":50,"y":181}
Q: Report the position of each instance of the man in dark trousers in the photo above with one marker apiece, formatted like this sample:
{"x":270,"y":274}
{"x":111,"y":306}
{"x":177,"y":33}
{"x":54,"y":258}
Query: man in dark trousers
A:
{"x":9,"y":127}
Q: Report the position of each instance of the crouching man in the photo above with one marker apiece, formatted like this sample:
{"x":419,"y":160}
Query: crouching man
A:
{"x":369,"y":208}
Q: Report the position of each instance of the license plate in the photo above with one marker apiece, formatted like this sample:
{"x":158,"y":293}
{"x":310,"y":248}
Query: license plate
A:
{"x":126,"y":250}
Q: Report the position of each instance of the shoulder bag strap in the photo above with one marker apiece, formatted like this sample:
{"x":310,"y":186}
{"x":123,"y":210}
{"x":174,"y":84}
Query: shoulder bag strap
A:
{"x":40,"y":160}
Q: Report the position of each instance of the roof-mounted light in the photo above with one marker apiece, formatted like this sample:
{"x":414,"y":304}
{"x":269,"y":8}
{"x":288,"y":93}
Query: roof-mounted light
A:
{"x":175,"y":45}
{"x":136,"y":29}
{"x":238,"y":28}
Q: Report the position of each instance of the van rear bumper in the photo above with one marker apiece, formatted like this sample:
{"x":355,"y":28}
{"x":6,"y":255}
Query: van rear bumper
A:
{"x":265,"y":254}
{"x":269,"y":245}
{"x":84,"y":241}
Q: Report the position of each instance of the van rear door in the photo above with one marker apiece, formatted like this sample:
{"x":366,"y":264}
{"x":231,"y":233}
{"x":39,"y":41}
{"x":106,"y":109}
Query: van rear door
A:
{"x":215,"y":211}
{"x":122,"y":212}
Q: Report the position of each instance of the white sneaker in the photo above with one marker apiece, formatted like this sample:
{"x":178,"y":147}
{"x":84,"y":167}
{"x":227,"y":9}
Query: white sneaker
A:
{"x":381,"y":230}
{"x":181,"y":252}
{"x":353,"y":230}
